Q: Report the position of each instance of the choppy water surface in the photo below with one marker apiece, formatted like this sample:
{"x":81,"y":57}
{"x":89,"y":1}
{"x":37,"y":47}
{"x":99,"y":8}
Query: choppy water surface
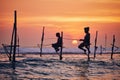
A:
{"x":72,"y":67}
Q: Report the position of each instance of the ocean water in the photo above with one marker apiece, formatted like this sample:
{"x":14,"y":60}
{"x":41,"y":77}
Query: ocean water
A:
{"x":49,"y":67}
{"x":51,"y":50}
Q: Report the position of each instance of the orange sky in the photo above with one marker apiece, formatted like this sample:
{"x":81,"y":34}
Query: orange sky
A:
{"x":70,"y":16}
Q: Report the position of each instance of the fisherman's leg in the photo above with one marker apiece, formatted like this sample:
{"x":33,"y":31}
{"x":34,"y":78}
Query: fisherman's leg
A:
{"x":88,"y":48}
{"x":81,"y":47}
{"x":55,"y":46}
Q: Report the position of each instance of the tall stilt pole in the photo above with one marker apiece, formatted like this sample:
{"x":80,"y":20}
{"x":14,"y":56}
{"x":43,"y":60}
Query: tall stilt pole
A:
{"x":95,"y":47}
{"x":42,"y":39}
{"x":15,"y":39}
{"x":105,"y":42}
{"x":61,"y":46}
{"x":113,"y":45}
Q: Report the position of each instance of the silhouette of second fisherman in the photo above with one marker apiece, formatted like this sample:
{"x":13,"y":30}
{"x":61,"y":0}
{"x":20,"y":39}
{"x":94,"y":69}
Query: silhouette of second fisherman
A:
{"x":58,"y":43}
{"x":86,"y":41}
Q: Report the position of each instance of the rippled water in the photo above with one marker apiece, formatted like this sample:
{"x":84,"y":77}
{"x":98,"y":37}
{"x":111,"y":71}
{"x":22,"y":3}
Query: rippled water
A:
{"x":72,"y":67}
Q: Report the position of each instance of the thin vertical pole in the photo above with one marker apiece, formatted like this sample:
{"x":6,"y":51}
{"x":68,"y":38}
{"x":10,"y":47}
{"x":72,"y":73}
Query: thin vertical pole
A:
{"x":15,"y":38}
{"x":61,"y":46}
{"x":42,"y":39}
{"x":113,"y":45}
{"x":105,"y":42}
{"x":95,"y":47}
{"x":18,"y":45}
{"x":11,"y":46}
{"x":101,"y":48}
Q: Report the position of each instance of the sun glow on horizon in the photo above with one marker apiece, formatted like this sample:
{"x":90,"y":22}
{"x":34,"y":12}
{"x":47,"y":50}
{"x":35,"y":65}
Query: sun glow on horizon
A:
{"x":60,"y":15}
{"x":74,"y":42}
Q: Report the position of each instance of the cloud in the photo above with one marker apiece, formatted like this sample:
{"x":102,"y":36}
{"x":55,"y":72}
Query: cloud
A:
{"x":70,"y":19}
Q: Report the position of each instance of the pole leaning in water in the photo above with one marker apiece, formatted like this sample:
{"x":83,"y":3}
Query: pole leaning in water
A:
{"x":113,"y":45}
{"x":42,"y":39}
{"x":15,"y":39}
{"x":95,"y":47}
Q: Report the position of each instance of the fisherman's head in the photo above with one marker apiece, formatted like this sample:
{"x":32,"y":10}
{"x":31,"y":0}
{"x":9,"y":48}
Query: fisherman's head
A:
{"x":57,"y":34}
{"x":86,"y":29}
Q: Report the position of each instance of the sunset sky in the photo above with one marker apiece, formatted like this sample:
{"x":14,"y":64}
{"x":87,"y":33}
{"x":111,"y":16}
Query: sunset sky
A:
{"x":69,"y":16}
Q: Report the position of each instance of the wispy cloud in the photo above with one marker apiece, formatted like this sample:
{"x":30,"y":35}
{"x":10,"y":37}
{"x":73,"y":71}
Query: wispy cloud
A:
{"x":70,"y":19}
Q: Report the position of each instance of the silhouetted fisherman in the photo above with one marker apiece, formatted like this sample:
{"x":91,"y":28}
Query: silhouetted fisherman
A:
{"x":86,"y":41}
{"x":58,"y":43}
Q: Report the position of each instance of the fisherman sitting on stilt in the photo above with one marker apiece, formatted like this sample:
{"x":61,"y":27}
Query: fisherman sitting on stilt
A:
{"x":58,"y":43}
{"x":86,"y":41}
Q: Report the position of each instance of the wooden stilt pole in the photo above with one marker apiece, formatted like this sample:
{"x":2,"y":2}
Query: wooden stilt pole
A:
{"x":105,"y":42}
{"x":101,"y":48}
{"x":113,"y":45}
{"x":61,"y":46}
{"x":15,"y":39}
{"x":95,"y":47}
{"x":42,"y":39}
{"x":11,"y":46}
{"x":18,"y":45}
